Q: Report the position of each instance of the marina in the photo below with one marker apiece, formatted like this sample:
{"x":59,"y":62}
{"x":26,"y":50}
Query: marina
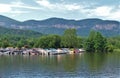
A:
{"x":38,"y":51}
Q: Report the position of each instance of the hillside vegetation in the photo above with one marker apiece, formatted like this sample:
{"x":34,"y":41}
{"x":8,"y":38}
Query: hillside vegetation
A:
{"x":19,"y":32}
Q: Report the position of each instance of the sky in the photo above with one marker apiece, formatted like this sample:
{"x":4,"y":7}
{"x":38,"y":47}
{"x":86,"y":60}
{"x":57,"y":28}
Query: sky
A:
{"x":68,"y":9}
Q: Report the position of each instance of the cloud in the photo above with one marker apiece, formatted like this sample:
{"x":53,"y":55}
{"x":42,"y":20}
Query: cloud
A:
{"x":88,"y":10}
{"x":114,"y":15}
{"x":5,"y":8}
{"x":45,"y":3}
{"x":10,"y":8}
{"x":72,"y":7}
{"x":20,"y":4}
{"x":63,"y":9}
{"x":19,"y":12}
{"x":102,"y":11}
{"x":58,"y":6}
{"x":107,"y":12}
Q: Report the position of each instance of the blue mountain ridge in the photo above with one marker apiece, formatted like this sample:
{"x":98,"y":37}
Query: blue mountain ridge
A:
{"x":58,"y":25}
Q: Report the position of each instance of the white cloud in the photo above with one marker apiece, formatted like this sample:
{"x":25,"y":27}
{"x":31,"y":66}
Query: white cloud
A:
{"x":86,"y":10}
{"x":19,"y":4}
{"x":9,"y":8}
{"x":5,"y":8}
{"x":19,"y":12}
{"x":45,"y":3}
{"x":72,"y":7}
{"x":58,"y":6}
{"x":107,"y":12}
{"x":102,"y":11}
{"x":115,"y":15}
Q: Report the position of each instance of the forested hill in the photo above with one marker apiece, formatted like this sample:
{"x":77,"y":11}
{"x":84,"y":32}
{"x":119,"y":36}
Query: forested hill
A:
{"x":19,"y":32}
{"x":58,"y":25}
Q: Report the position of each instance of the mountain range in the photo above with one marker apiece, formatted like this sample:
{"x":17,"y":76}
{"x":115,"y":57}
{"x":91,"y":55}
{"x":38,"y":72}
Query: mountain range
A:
{"x":58,"y":25}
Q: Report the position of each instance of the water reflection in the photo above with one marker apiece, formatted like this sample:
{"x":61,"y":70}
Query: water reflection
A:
{"x":76,"y":65}
{"x":70,"y":62}
{"x":95,"y":61}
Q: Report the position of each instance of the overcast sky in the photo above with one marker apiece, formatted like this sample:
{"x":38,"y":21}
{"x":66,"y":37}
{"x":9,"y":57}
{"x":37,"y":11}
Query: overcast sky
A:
{"x":68,"y":9}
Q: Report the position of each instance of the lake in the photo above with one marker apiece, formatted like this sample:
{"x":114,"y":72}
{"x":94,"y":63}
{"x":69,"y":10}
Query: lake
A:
{"x":86,"y":65}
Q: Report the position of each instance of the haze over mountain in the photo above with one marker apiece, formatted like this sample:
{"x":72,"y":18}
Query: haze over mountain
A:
{"x":58,"y":25}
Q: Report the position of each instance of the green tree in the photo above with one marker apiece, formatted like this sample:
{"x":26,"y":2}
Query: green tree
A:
{"x":50,"y":41}
{"x":5,"y":44}
{"x":80,"y":42}
{"x":69,"y":39}
{"x":100,"y":42}
{"x":89,"y":44}
{"x":96,"y":42}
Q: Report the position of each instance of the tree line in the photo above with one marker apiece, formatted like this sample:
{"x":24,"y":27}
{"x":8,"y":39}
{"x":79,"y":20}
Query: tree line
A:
{"x":95,"y":42}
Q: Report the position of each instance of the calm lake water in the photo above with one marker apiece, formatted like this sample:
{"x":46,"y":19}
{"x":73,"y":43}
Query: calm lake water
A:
{"x":87,"y":65}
